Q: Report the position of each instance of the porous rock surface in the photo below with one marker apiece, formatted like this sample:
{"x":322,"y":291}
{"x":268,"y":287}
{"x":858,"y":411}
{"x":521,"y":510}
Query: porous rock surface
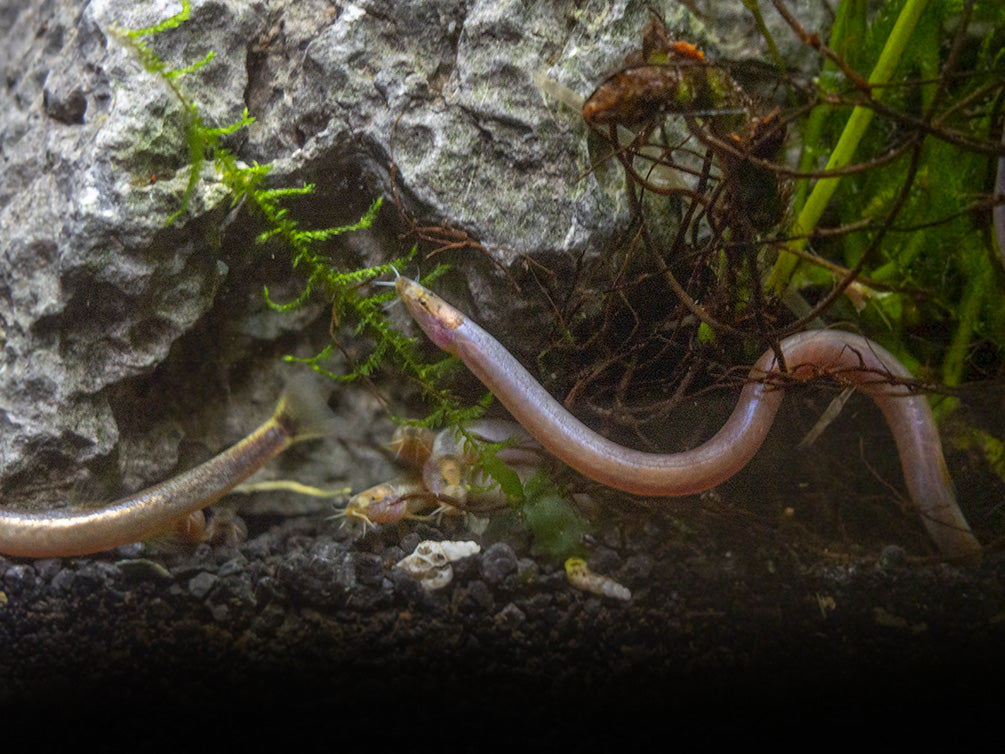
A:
{"x":96,"y":289}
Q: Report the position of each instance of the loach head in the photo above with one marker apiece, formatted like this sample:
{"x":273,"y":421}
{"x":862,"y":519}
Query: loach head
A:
{"x":436,"y":317}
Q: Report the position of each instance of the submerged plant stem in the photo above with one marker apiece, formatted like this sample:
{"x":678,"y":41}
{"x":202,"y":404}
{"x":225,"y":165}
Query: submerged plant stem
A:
{"x":854,"y":130}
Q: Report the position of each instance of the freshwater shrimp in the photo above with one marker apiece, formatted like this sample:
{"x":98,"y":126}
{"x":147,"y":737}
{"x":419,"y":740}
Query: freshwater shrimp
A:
{"x":411,"y":444}
{"x":446,"y":475}
{"x":225,"y":527}
{"x":447,"y":472}
{"x":385,"y":503}
{"x":452,"y":468}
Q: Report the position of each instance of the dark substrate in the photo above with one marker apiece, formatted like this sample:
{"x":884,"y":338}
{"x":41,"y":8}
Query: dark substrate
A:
{"x":311,"y":621}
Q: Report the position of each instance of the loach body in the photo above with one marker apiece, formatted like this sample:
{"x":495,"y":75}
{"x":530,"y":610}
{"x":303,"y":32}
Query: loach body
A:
{"x":300,"y":415}
{"x":809,"y":354}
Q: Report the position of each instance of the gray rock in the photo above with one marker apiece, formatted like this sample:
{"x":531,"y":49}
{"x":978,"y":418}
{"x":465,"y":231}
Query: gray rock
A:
{"x":498,"y":561}
{"x":200,"y":585}
{"x":97,"y":292}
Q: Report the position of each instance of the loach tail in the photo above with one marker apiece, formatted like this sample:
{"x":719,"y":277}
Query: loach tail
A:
{"x":303,"y":410}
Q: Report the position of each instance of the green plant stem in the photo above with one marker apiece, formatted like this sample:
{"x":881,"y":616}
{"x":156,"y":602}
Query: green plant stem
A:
{"x":849,"y":25}
{"x":843,"y":152}
{"x":981,"y":287}
{"x":762,"y":28}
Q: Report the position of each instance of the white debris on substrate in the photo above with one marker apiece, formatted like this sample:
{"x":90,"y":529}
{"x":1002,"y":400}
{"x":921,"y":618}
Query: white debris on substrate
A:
{"x":581,"y":577}
{"x":430,"y":562}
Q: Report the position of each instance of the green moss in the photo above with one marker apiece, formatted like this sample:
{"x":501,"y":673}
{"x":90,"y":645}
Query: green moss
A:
{"x":246,"y":183}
